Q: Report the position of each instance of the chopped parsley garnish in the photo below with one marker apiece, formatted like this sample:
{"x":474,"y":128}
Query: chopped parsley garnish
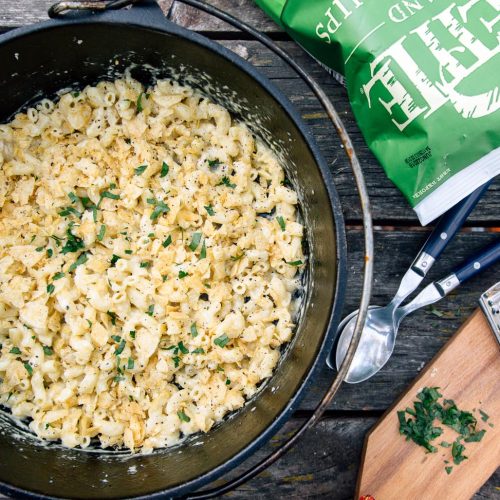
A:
{"x":484,"y":416}
{"x":221,"y":341}
{"x":112,"y":316}
{"x":15,"y":350}
{"x":130,"y":364}
{"x":139,"y":106}
{"x":114,"y":259}
{"x":73,"y":197}
{"x":234,"y":258}
{"x":50,"y":288}
{"x":281,"y":222}
{"x":151,"y":235}
{"x":140,"y":170}
{"x":118,"y":378}
{"x":73,"y":244}
{"x":176,"y":361}
{"x":295,"y":263}
{"x":68,"y":211}
{"x":183,"y":417}
{"x":183,"y":274}
{"x":50,"y":252}
{"x":167,"y":242}
{"x":228,"y":382}
{"x":475,"y":438}
{"x":225,"y":181}
{"x":164,"y":277}
{"x":120,"y":347}
{"x":58,"y":276}
{"x":48,"y":350}
{"x":183,"y":348}
{"x":160,"y":208}
{"x":203,"y":252}
{"x":78,"y":262}
{"x":164,"y":170}
{"x":194,"y":330}
{"x":107,"y":194}
{"x":128,"y":252}
{"x":28,"y":367}
{"x":102,"y":232}
{"x":195,"y":241}
{"x":132,"y":333}
{"x":145,"y":264}
{"x":214,"y":164}
{"x":448,"y":469}
{"x":457,"y":451}
{"x":198,"y":350}
{"x":116,"y":338}
{"x":421,"y":429}
{"x":209,"y":209}
{"x":39,"y":249}
{"x":151,"y":310}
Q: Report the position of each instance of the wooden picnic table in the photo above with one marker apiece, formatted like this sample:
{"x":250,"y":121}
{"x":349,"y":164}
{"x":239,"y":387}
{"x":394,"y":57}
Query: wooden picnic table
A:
{"x":325,"y":462}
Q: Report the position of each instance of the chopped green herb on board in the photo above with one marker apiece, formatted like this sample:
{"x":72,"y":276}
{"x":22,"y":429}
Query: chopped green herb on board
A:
{"x":420,"y":425}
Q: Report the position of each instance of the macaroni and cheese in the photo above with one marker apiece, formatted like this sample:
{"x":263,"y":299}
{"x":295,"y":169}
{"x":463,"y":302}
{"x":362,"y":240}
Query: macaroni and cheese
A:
{"x":149,"y":250}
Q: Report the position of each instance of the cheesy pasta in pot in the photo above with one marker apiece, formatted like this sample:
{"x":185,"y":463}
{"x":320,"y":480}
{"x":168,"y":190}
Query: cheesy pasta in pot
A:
{"x":149,"y":251}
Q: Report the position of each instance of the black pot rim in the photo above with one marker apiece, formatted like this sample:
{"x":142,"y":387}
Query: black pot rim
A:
{"x":153,"y":22}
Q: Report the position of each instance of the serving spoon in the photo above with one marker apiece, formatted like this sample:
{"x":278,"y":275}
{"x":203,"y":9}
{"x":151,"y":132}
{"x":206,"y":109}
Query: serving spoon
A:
{"x":379,"y":334}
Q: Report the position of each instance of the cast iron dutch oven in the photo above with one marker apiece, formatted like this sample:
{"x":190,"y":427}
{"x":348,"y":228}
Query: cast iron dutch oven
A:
{"x":39,"y":60}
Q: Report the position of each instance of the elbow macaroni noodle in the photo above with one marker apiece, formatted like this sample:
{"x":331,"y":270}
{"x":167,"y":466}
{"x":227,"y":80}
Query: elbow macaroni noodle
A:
{"x":149,"y":250}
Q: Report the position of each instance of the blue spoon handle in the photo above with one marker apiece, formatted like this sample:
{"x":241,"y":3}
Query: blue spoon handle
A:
{"x":486,"y":258}
{"x":451,"y":222}
{"x":474,"y":265}
{"x":435,"y":291}
{"x":445,"y":230}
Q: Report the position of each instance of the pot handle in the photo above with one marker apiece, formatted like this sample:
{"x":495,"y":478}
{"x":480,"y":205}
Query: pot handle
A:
{"x":144,"y":12}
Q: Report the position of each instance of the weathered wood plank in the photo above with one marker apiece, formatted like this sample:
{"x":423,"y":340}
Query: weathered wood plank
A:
{"x":423,"y":333}
{"x":14,"y":13}
{"x":327,"y":470}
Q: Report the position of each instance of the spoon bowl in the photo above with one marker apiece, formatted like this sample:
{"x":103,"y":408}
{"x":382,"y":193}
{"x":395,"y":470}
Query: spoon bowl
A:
{"x":376,"y":344}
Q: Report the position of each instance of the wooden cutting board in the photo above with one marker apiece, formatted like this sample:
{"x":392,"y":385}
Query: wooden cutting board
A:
{"x":467,"y":370}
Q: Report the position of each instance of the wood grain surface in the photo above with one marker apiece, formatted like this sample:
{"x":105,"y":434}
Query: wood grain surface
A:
{"x":467,"y":370}
{"x":325,"y":462}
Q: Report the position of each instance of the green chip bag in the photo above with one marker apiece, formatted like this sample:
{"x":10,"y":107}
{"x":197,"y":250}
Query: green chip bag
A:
{"x":423,"y":78}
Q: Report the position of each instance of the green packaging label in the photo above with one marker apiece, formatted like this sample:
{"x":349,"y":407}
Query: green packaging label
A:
{"x":423,"y":78}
